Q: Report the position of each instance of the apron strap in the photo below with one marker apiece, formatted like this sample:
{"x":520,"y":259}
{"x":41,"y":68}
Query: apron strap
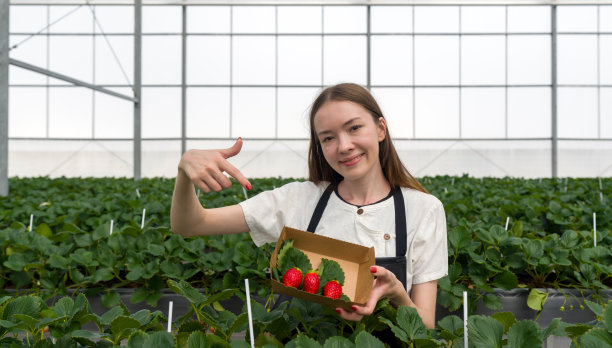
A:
{"x":318,"y":212}
{"x":400,"y":222}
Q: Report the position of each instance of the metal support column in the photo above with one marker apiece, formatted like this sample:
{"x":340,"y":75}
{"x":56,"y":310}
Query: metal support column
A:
{"x":553,"y":96}
{"x":4,"y":63}
{"x":137,"y":88}
{"x":184,"y":82}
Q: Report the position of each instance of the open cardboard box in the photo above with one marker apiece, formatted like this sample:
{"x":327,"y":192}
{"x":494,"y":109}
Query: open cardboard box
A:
{"x":354,"y":259}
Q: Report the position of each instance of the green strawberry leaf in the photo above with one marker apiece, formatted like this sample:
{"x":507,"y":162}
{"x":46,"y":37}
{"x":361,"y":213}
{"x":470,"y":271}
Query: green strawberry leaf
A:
{"x":295,"y":258}
{"x":330,"y":270}
{"x":280,"y":260}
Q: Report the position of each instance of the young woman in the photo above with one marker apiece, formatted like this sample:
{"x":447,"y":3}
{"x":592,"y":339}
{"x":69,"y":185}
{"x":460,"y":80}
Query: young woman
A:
{"x":357,"y":191}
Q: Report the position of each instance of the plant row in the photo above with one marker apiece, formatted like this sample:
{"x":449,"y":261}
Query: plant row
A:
{"x":29,"y":321}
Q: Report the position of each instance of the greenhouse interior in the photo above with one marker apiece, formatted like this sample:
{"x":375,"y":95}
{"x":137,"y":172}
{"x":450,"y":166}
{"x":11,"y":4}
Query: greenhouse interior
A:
{"x":161,"y":162}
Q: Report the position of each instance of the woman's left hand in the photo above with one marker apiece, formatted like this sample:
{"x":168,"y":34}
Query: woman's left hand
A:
{"x":386,"y":285}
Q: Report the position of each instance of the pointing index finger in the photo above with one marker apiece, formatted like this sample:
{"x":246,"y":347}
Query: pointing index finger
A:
{"x":236,"y":174}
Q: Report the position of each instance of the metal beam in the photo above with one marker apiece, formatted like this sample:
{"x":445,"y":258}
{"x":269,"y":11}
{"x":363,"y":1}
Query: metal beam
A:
{"x":553,"y":95}
{"x":4,"y":62}
{"x":137,"y":88}
{"x":69,"y":79}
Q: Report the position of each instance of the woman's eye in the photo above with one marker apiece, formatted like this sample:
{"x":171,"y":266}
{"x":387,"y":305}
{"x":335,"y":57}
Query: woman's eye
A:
{"x":355,"y":127}
{"x":326,"y":139}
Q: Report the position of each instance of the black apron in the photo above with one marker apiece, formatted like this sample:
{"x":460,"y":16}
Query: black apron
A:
{"x":396,"y":264}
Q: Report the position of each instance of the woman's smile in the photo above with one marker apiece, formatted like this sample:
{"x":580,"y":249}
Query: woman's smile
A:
{"x":351,"y":161}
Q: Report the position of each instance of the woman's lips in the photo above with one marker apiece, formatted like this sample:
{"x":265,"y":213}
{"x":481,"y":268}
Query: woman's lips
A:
{"x":352,"y":161}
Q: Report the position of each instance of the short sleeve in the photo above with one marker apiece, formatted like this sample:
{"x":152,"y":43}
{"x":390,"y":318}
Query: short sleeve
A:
{"x":429,"y":249}
{"x":267,"y":212}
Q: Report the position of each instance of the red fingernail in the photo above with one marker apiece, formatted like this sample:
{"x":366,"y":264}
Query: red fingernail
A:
{"x":373,"y":269}
{"x":354,"y":308}
{"x":338,"y":311}
{"x":248,"y":187}
{"x":239,"y":138}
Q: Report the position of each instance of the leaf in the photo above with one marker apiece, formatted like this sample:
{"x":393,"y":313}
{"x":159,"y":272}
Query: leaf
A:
{"x":573,"y":331}
{"x":137,"y":339}
{"x":197,"y":339}
{"x":409,"y":320}
{"x":554,"y":324}
{"x":28,"y":305}
{"x":280,"y":259}
{"x":123,"y":322}
{"x":296,"y":258}
{"x":303,"y":341}
{"x":596,"y":338}
{"x":506,"y":318}
{"x":485,"y":331}
{"x":399,"y":333}
{"x":110,"y":315}
{"x":607,"y":316}
{"x":452,"y":323}
{"x":58,"y":261}
{"x":44,"y":230}
{"x":110,"y":299}
{"x":184,"y":289}
{"x":505,"y":280}
{"x":330,"y":270}
{"x":492,"y":301}
{"x":159,"y":339}
{"x":338,"y":342}
{"x":536,"y":299}
{"x":366,"y":340}
{"x":525,"y":333}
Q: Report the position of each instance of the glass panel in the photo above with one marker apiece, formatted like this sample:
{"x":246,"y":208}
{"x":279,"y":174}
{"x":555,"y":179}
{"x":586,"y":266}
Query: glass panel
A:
{"x":482,"y":60}
{"x":254,"y":19}
{"x":72,"y":56}
{"x":577,"y":59}
{"x":161,"y":19}
{"x":161,"y":112}
{"x":437,"y":112}
{"x":483,"y":19}
{"x":208,"y":112}
{"x":115,"y":19}
{"x":436,"y":19}
{"x":208,"y":19}
{"x":299,"y":19}
{"x":254,"y":60}
{"x":576,"y":19}
{"x":294,"y":111}
{"x":436,"y":60}
{"x":33,"y":51}
{"x":525,"y":19}
{"x":114,"y":117}
{"x":529,"y":59}
{"x":605,"y":55}
{"x":208,"y":59}
{"x":70,"y":112}
{"x":27,"y":112}
{"x":345,"y":19}
{"x":75,"y":19}
{"x":344,"y":59}
{"x":482,"y":113}
{"x":605,"y":18}
{"x":396,"y":105}
{"x":108,"y":69}
{"x":391,"y":19}
{"x":27,"y":19}
{"x":161,"y":60}
{"x":529,"y":112}
{"x":391,"y":59}
{"x":605,"y":99}
{"x":160,"y":158}
{"x":577,"y":113}
{"x":253,"y":112}
{"x":299,"y":60}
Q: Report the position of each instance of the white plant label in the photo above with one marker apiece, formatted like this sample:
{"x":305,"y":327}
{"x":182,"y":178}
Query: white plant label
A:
{"x":31,"y":222}
{"x":245,"y":193}
{"x":507,"y":221}
{"x":138,"y":193}
{"x":465,"y":319}
{"x":170,"y":316}
{"x":143,"y":218}
{"x":594,"y":229}
{"x":111,"y":228}
{"x":248,"y":297}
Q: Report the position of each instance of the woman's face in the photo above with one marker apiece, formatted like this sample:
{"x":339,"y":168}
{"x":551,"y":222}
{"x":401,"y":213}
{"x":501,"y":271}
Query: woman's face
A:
{"x":349,"y":138}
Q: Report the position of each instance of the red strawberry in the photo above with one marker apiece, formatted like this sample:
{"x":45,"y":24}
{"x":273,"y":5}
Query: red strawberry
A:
{"x":311,"y":282}
{"x":332,"y":289}
{"x":293,"y":277}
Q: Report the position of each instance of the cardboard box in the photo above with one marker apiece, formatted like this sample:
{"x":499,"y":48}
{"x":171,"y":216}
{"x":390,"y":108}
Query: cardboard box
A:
{"x":354,"y":259}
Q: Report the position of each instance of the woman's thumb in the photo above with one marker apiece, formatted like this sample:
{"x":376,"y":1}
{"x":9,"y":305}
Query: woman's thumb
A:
{"x":233,"y":150}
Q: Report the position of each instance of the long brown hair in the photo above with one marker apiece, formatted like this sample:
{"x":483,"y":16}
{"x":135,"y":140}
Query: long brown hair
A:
{"x":393,"y":169}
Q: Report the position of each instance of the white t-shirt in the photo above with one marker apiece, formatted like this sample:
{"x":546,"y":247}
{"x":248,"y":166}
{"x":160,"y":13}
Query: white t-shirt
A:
{"x":293,"y":205}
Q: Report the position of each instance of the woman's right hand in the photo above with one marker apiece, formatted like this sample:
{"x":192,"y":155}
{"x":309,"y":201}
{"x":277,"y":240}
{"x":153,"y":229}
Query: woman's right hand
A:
{"x":205,"y":168}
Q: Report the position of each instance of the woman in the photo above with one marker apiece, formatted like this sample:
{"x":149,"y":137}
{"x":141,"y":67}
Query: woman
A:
{"x":358,"y":191}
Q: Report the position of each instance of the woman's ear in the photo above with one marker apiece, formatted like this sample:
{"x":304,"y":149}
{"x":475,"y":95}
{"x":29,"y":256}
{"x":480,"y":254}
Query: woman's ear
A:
{"x":382,"y":129}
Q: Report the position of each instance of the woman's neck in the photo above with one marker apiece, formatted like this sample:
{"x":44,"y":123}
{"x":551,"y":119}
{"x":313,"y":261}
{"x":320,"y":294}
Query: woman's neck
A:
{"x":364,"y":192}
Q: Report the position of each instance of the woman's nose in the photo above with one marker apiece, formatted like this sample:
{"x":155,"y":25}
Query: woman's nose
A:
{"x":344,"y":143}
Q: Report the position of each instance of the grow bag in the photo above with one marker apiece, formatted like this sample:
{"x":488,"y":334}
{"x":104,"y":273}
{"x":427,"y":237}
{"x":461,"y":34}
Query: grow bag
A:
{"x":515,"y":301}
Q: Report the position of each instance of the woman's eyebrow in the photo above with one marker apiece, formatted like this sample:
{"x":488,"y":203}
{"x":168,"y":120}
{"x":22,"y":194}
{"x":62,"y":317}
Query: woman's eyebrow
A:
{"x":343,"y":125}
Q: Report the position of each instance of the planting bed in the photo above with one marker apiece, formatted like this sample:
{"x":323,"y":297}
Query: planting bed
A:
{"x":506,"y":237}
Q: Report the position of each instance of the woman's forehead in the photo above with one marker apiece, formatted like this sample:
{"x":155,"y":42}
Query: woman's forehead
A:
{"x":339,"y":112}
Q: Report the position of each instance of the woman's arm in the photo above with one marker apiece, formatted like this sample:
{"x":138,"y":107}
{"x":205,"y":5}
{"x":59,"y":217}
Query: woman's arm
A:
{"x":205,"y":168}
{"x":388,"y":286}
